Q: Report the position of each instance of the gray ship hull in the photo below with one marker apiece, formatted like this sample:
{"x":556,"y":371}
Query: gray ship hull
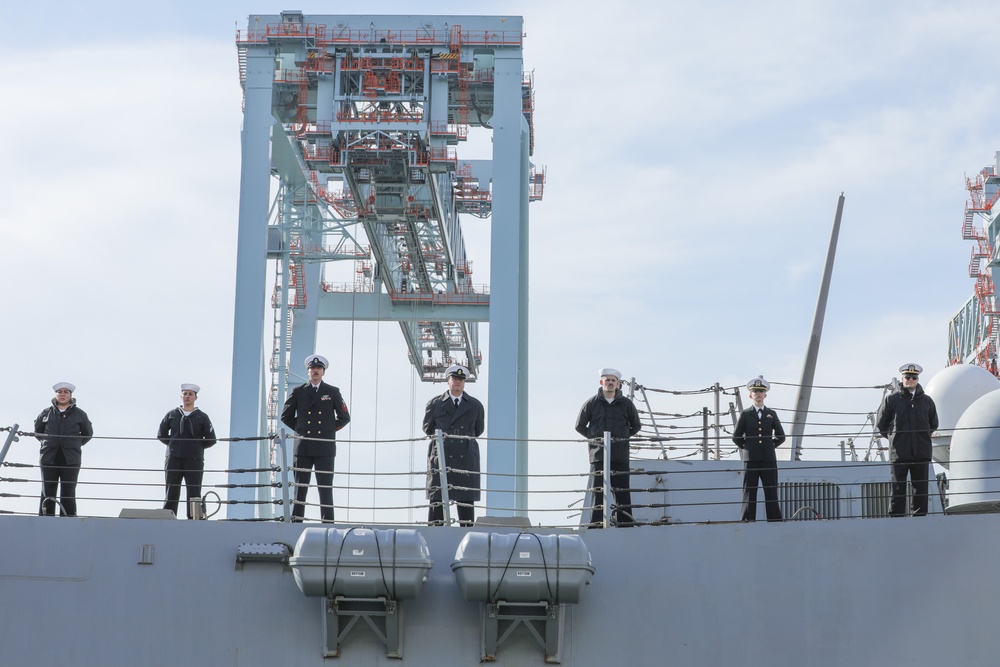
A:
{"x":917,"y":591}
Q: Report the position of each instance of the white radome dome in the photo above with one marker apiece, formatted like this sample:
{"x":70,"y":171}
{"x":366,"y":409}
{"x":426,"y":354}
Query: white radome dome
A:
{"x":954,"y":389}
{"x":974,"y":475}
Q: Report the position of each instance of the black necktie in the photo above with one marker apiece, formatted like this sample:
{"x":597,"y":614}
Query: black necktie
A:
{"x":456,"y":402}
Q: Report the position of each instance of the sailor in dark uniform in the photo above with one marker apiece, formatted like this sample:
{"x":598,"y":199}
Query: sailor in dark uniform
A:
{"x":315,"y":411}
{"x":62,"y":429}
{"x":455,"y":413}
{"x":907,"y":418}
{"x":187,"y":432}
{"x":613,"y":412}
{"x":758,"y":432}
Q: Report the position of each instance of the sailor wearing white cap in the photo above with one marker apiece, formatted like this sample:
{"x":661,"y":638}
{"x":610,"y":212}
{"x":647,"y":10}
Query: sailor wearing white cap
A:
{"x":455,"y":413}
{"x":907,"y":418}
{"x":63,"y":429}
{"x":611,"y":411}
{"x":758,"y":432}
{"x":317,"y":361}
{"x":187,"y":432}
{"x":315,"y":411}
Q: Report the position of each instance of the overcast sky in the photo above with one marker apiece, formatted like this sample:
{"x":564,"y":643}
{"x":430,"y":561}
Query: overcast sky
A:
{"x":694,"y":151}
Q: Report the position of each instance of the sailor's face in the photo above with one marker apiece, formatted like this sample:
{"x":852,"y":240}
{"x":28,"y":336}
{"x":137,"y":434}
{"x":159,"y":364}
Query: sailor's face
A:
{"x":910,"y":381}
{"x":456,"y":385}
{"x":188,"y":398}
{"x":609,"y":383}
{"x":758,"y":395}
{"x":316,"y":374}
{"x":63,"y":397}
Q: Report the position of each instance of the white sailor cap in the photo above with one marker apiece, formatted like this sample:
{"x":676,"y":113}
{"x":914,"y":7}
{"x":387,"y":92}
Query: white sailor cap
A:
{"x":911,"y":369}
{"x":317,"y":360}
{"x":191,"y":387}
{"x":758,"y":383}
{"x":457,"y":371}
{"x":64,"y":385}
{"x":612,"y":372}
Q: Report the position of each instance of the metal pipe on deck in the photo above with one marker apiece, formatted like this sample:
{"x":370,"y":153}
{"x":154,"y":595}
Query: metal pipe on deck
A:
{"x":606,"y":482}
{"x":11,"y":437}
{"x":704,"y":434}
{"x":652,"y":419}
{"x":718,"y":425}
{"x":285,"y":501}
{"x":443,"y":476}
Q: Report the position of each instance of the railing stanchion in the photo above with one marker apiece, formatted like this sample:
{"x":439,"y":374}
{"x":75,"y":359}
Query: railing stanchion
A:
{"x":286,"y":505}
{"x":607,"y":478}
{"x":445,"y":500}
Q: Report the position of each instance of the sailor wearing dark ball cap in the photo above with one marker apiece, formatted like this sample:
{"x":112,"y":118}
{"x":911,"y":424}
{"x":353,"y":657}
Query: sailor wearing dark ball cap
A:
{"x":758,"y":432}
{"x":907,"y":418}
{"x":455,"y":413}
{"x":315,"y":411}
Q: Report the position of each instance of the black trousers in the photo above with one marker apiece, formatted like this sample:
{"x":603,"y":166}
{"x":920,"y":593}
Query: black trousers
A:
{"x":190,"y":471}
{"x":435,"y":513}
{"x":918,"y":471}
{"x":54,"y":476}
{"x":620,"y":489}
{"x":766,"y":473}
{"x":324,"y":484}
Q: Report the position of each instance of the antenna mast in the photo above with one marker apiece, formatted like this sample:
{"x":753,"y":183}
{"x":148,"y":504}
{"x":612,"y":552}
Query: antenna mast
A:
{"x":809,"y":367}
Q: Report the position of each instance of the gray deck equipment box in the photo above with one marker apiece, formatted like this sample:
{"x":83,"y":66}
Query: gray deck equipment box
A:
{"x":361,"y":563}
{"x":522,"y":567}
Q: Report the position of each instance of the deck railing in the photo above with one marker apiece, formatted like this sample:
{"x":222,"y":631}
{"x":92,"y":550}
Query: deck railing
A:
{"x":384,"y":483}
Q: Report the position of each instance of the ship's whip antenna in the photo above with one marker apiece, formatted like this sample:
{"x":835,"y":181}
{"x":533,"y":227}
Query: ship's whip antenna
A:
{"x":809,"y":367}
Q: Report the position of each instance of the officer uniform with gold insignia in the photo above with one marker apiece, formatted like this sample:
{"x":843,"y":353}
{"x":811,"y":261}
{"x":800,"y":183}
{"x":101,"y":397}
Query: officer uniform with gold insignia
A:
{"x":315,"y":413}
{"x":456,"y":413}
{"x":758,"y":432}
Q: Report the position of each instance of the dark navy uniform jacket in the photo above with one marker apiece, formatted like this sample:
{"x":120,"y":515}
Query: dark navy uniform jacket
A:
{"x":907,"y":421}
{"x":468,"y":419}
{"x":69,"y":431}
{"x":619,"y":417}
{"x":186,"y":437}
{"x":315,"y":413}
{"x":759,"y":436}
